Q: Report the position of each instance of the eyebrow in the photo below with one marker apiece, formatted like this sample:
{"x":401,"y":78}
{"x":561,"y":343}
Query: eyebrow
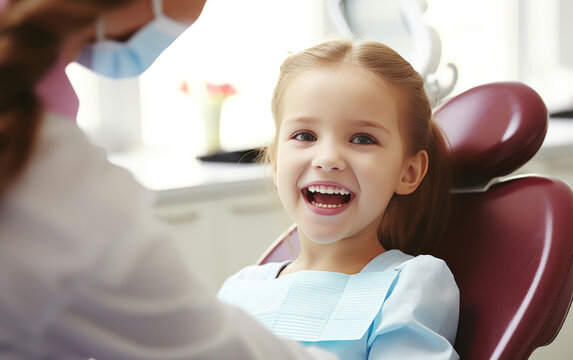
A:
{"x":371,"y":124}
{"x":302,"y":119}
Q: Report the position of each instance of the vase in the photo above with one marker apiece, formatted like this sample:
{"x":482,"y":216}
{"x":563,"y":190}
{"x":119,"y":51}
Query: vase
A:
{"x":211,"y":112}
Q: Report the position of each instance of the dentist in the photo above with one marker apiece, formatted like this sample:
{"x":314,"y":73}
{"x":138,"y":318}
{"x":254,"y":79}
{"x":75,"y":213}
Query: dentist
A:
{"x":86,"y":269}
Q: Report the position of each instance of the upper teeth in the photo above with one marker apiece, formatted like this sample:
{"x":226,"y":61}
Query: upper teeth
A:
{"x":325,"y":189}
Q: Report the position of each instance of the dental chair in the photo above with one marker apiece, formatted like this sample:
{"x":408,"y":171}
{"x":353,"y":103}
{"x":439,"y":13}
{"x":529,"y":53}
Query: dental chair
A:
{"x":509,"y":240}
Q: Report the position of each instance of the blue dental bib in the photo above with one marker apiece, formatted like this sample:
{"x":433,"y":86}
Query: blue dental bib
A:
{"x":313,"y":305}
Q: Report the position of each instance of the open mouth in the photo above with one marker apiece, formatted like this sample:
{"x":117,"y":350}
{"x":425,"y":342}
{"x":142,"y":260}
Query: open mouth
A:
{"x":326,"y":196}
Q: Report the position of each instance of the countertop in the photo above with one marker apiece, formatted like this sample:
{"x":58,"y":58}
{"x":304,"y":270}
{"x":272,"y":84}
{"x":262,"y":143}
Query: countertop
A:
{"x":173,"y":172}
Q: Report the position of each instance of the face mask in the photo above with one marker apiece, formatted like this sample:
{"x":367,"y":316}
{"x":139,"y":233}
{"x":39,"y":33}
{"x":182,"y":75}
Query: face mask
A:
{"x":131,"y":58}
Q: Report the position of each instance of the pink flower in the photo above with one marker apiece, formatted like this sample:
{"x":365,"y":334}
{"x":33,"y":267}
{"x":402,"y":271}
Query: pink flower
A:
{"x":220,"y":91}
{"x":215,"y":92}
{"x":184,"y":87}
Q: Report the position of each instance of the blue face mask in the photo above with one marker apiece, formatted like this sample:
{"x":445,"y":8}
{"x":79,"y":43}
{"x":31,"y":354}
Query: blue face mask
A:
{"x":118,"y":60}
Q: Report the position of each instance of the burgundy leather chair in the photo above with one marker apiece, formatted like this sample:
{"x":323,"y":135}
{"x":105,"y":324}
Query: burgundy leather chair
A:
{"x":509,"y":241}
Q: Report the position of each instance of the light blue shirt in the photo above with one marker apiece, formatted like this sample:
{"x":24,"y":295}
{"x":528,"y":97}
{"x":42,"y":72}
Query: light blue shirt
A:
{"x":397,"y":307}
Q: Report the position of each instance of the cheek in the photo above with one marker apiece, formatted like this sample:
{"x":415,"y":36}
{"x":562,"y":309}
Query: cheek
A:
{"x":286,"y":189}
{"x":290,"y":167}
{"x":376,"y":194}
{"x":380,"y":177}
{"x":284,"y":171}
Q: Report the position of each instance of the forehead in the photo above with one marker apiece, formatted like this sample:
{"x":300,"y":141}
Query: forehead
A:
{"x":340,"y":92}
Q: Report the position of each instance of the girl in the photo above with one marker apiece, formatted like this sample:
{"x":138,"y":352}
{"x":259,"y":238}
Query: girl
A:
{"x":361,"y":166}
{"x":86,"y":269}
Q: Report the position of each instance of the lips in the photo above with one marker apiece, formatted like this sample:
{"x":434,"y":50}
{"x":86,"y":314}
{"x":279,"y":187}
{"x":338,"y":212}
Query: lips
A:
{"x":327,"y":198}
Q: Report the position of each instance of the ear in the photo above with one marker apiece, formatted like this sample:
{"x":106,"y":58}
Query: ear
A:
{"x":413,"y":171}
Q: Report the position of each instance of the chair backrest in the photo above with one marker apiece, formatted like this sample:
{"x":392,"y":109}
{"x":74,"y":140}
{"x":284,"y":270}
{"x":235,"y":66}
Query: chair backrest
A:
{"x":509,"y":241}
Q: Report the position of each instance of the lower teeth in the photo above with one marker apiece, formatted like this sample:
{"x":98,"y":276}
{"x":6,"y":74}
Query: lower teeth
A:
{"x":326,"y":206}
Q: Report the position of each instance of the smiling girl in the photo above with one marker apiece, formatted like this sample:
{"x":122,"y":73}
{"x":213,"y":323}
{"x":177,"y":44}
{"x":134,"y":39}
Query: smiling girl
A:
{"x":362,"y":168}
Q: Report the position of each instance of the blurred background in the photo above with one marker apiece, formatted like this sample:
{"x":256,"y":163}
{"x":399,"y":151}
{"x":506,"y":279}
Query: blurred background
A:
{"x":226,"y":214}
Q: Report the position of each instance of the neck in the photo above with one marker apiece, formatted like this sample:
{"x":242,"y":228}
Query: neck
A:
{"x":348,"y":256}
{"x":57,"y":94}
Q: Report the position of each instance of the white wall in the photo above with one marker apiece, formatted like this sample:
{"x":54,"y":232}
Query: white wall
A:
{"x":238,"y":42}
{"x":524,"y":40}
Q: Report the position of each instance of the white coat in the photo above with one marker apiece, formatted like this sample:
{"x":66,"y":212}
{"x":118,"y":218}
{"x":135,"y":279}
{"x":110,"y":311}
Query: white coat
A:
{"x":87,"y":270}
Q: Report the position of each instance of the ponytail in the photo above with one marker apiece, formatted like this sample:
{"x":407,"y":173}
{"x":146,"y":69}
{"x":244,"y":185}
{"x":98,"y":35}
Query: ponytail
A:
{"x":31,"y":36}
{"x":415,"y":223}
{"x":27,"y":53}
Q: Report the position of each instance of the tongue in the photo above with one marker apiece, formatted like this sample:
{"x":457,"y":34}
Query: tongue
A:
{"x":329,"y":199}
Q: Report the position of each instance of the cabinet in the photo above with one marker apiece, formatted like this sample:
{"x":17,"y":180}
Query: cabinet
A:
{"x":221,"y":229}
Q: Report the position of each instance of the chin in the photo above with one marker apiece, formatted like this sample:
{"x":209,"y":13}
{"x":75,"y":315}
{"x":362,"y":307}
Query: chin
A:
{"x":322,"y":237}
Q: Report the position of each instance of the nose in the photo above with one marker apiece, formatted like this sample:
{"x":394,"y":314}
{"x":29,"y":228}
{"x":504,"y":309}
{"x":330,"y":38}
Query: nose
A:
{"x":329,"y":157}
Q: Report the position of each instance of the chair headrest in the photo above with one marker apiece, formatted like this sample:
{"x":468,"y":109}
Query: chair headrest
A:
{"x":492,"y":130}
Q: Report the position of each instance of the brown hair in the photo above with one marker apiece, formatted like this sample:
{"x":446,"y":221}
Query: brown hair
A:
{"x":413,"y":223}
{"x":31,"y":36}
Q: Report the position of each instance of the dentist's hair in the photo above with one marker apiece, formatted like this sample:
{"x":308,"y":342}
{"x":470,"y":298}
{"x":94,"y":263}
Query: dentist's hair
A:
{"x":31,"y":36}
{"x":413,"y":223}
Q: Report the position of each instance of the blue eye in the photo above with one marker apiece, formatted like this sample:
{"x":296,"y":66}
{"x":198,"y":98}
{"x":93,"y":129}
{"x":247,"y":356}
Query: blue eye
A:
{"x":363,"y":140}
{"x":304,"y":136}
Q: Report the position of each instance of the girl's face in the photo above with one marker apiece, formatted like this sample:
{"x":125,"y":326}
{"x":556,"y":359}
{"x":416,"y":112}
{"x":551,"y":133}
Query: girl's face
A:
{"x":340,"y":156}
